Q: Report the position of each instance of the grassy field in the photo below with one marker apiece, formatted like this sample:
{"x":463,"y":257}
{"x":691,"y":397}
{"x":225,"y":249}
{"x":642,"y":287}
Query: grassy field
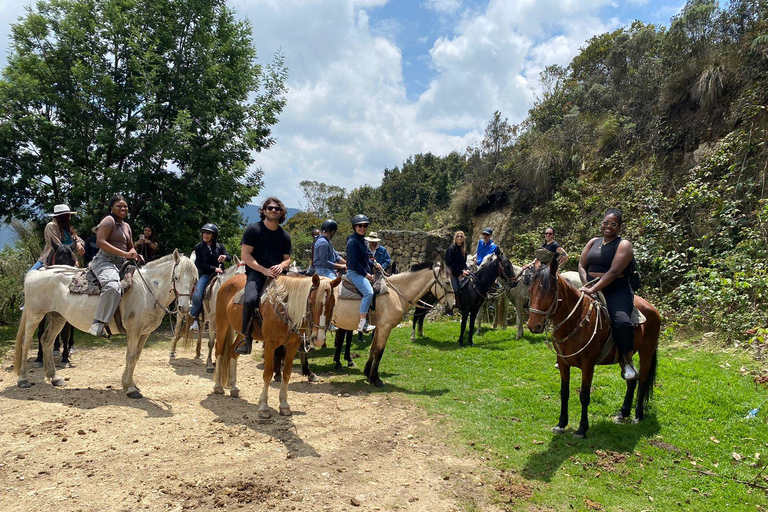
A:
{"x":694,"y":451}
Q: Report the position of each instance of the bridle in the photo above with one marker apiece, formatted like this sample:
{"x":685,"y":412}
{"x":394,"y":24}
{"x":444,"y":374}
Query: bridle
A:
{"x":435,"y":283}
{"x":173,"y":289}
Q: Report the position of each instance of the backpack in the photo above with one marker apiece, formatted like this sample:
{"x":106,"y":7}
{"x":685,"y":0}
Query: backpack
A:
{"x":634,"y":276}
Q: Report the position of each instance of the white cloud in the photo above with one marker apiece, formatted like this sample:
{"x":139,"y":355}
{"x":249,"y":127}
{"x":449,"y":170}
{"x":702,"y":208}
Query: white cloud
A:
{"x":443,"y":6}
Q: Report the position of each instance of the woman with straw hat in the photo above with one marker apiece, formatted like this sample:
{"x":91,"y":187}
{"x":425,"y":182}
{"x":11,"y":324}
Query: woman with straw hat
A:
{"x":59,"y":231}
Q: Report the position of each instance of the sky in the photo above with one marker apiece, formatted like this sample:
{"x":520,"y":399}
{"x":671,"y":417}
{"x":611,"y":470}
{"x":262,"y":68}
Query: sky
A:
{"x":372,"y":82}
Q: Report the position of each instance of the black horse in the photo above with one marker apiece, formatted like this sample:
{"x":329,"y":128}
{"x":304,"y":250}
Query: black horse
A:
{"x":481,"y":286}
{"x":60,"y":255}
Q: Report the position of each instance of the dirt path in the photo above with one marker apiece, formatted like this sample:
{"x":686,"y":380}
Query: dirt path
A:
{"x":88,"y":447}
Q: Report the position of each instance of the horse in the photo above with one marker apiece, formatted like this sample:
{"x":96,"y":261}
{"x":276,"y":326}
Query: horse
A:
{"x":420,"y":313}
{"x":291,"y":308}
{"x":482,"y":285}
{"x":208,"y":316}
{"x":60,"y":255}
{"x":47,"y":291}
{"x":581,"y":333}
{"x":405,"y":290}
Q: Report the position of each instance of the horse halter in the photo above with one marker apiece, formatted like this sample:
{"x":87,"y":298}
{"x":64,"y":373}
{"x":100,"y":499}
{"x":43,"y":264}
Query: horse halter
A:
{"x":173,"y":283}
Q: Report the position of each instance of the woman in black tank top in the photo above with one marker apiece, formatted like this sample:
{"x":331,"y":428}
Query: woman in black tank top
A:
{"x":606,"y":258}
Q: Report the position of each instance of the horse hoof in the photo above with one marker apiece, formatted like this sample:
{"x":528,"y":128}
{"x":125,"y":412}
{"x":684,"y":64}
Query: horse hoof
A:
{"x":278,"y":378}
{"x":579,"y":436}
{"x":313,"y":378}
{"x":209,"y":370}
{"x":265,"y":415}
{"x":558,"y":430}
{"x":619,"y":419}
{"x":36,"y":364}
{"x":218,"y":390}
{"x":135,"y":394}
{"x":24,"y":384}
{"x":378,"y":383}
{"x":285,"y":411}
{"x":234,"y":393}
{"x":66,"y":364}
{"x":58,"y":382}
{"x":172,"y":355}
{"x":338,"y":367}
{"x":635,"y":421}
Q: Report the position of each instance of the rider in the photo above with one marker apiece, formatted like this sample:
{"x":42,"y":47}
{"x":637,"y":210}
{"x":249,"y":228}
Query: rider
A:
{"x":326,"y":261}
{"x":379,"y":252}
{"x":607,"y":259}
{"x":146,"y":245}
{"x":551,"y":245}
{"x":115,"y":246}
{"x":209,"y":253}
{"x":456,"y":261}
{"x":59,"y":231}
{"x":359,"y":268}
{"x":266,"y":251}
{"x":485,"y":246}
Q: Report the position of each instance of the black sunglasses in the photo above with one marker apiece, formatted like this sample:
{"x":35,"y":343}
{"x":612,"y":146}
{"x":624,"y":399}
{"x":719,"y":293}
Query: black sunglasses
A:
{"x":362,"y":225}
{"x":273,"y":208}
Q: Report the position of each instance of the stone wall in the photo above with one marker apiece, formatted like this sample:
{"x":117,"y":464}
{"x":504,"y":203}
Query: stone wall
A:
{"x":411,"y":247}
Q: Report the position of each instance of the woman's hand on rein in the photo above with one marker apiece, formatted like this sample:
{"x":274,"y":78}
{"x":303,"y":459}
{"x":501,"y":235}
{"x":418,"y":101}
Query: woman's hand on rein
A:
{"x":587,"y":290}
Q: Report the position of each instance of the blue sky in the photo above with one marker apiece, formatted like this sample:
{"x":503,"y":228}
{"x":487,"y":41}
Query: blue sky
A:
{"x":375,"y":81}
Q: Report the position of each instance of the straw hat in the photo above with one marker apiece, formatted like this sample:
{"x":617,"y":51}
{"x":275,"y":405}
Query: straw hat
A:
{"x":60,"y":209}
{"x":373,"y":237}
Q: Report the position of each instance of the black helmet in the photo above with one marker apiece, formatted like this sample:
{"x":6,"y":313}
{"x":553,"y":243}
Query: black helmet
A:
{"x":360,"y":219}
{"x":329,"y":225}
{"x":211,"y":228}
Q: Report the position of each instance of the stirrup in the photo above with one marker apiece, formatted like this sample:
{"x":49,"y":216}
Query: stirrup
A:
{"x":245,"y":345}
{"x":628,"y":371}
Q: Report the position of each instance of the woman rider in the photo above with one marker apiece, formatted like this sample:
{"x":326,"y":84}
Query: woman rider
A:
{"x":209,"y":253}
{"x":58,"y":231}
{"x":115,"y":243}
{"x":551,"y":245}
{"x":359,"y":268}
{"x":607,"y":258}
{"x":456,"y":261}
{"x":325,"y":260}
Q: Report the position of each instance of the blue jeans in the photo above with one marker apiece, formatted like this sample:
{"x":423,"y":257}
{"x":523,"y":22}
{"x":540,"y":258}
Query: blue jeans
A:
{"x":197,"y":296}
{"x":364,"y":286}
{"x":36,"y":266}
{"x":325,"y":272}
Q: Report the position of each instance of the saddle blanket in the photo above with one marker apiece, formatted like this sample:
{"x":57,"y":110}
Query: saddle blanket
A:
{"x":348,"y":290}
{"x":83,"y":285}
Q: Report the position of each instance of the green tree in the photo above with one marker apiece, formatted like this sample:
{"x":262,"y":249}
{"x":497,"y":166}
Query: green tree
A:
{"x":320,"y":197}
{"x":162,"y":101}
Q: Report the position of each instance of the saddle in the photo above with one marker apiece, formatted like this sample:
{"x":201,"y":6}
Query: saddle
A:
{"x":208,"y":292}
{"x":84,"y":282}
{"x":349,"y":291}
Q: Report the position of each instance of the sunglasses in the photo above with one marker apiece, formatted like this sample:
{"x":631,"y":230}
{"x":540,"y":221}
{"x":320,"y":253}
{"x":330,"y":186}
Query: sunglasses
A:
{"x":362,"y":226}
{"x":612,"y":224}
{"x":273,"y":208}
{"x":548,"y":234}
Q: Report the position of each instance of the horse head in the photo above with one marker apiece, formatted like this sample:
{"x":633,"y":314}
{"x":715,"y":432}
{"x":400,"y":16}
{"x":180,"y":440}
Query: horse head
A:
{"x":442,"y":290}
{"x":322,"y":300}
{"x":61,"y":255}
{"x":543,"y":296}
{"x":183,"y":280}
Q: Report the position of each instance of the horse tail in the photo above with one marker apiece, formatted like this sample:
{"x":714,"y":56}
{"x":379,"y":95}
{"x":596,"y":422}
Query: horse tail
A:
{"x":653,"y":328}
{"x":20,"y":343}
{"x":650,"y":381}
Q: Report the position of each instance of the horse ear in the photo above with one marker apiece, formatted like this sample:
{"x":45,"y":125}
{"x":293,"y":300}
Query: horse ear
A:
{"x":336,"y":282}
{"x":236,"y":260}
{"x":176,"y":256}
{"x":315,"y":280}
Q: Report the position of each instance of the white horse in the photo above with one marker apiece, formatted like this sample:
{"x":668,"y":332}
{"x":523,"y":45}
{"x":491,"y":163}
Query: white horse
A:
{"x":208,"y":317}
{"x":141,"y":308}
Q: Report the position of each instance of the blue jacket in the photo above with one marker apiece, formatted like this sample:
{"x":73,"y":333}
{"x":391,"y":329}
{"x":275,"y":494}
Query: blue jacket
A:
{"x":324,"y":255}
{"x":358,"y":255}
{"x":382,"y":257}
{"x":484,"y":250}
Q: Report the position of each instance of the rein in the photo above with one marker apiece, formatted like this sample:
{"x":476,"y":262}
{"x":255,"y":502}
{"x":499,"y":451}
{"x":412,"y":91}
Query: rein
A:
{"x":173,"y":289}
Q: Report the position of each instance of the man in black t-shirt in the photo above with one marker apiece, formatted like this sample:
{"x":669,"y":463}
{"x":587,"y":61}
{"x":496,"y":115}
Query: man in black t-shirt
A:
{"x":266,"y":251}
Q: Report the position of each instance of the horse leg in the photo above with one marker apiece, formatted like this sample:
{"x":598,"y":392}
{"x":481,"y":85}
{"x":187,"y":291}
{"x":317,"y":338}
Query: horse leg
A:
{"x":278,"y":362}
{"x":421,"y":325}
{"x":413,"y":329}
{"x":338,"y":343}
{"x":269,"y":356}
{"x":565,"y":388}
{"x":519,"y":319}
{"x":24,"y":337}
{"x":38,"y":362}
{"x":178,"y":330}
{"x":209,"y":366}
{"x":463,"y":326}
{"x":135,"y":343}
{"x":290,"y":353}
{"x":200,"y":330}
{"x":471,"y":332}
{"x":234,"y":389}
{"x":648,"y":364}
{"x":67,"y":339}
{"x":347,"y":349}
{"x":380,"y":337}
{"x":55,"y":324}
{"x":584,"y":397}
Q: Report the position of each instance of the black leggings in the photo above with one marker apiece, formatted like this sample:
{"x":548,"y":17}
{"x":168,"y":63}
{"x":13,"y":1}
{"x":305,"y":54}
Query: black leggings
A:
{"x":620,"y":301}
{"x":254,"y":284}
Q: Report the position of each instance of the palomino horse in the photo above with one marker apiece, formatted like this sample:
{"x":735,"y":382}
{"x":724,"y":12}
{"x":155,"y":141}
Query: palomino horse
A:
{"x":47,"y":291}
{"x":482,"y":285}
{"x":581,"y":331}
{"x":291,"y":308}
{"x":207,"y":316}
{"x":405,"y":290}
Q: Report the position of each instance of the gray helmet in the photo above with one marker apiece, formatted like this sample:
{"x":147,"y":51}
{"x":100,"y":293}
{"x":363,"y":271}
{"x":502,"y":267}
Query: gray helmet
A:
{"x":329,"y":225}
{"x":211,"y":228}
{"x":360,"y":219}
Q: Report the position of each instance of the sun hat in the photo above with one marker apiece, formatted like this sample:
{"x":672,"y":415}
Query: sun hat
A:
{"x":60,"y":209}
{"x":373,"y":237}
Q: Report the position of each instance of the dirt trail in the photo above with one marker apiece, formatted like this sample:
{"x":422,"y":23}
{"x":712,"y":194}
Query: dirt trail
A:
{"x":88,"y":447}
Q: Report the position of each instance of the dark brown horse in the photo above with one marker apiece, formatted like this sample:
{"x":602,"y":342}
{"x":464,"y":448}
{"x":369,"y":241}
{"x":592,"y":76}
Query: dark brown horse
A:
{"x":581,"y":331}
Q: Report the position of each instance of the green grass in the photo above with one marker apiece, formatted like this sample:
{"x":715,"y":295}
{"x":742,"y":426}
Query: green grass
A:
{"x":502,"y":397}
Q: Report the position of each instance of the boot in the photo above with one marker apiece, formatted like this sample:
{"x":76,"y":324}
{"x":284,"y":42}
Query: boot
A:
{"x":628,"y":371}
{"x":246,"y":344}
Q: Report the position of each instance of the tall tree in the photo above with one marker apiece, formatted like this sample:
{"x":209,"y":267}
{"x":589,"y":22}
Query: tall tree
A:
{"x":160,"y":100}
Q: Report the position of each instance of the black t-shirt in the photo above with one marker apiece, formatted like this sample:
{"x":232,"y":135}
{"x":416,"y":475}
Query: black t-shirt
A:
{"x":551,"y":247}
{"x":268,"y":246}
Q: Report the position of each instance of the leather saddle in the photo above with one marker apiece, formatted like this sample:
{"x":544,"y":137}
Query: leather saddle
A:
{"x":349,"y":291}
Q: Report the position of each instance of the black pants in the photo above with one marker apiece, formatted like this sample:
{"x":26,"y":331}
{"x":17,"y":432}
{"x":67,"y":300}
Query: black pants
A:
{"x":254,"y":284}
{"x":620,"y":301}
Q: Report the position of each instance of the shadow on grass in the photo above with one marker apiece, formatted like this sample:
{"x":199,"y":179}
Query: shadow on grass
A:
{"x":602,"y":435}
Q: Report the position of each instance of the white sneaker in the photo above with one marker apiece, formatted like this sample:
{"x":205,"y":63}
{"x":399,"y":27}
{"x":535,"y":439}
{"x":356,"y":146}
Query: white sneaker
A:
{"x":195,"y":327}
{"x":96,"y":329}
{"x":365,"y":327}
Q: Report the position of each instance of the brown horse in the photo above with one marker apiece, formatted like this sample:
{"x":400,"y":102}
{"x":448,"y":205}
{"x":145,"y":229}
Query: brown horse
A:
{"x":291,"y":308}
{"x":581,"y":331}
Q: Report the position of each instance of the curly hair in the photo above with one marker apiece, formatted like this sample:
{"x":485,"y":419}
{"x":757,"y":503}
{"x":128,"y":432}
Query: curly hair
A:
{"x":267,"y":201}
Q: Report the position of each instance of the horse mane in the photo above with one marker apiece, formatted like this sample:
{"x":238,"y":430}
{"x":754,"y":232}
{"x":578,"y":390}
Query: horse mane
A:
{"x":292,"y":292}
{"x":421,"y":266}
{"x":544,"y":276}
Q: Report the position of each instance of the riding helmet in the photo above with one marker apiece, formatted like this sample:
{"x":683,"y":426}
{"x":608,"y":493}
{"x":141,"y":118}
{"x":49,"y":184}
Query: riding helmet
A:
{"x":329,"y":225}
{"x":360,"y":219}
{"x":211,"y":228}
